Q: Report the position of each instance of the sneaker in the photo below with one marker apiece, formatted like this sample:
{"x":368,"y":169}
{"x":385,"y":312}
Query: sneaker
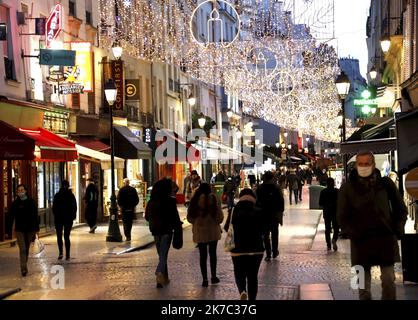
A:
{"x":328,"y":247}
{"x":205,"y":283}
{"x":275,"y":255}
{"x":244,"y":296}
{"x":24,"y":273}
{"x":267,"y":259}
{"x":160,"y":280}
{"x":67,"y":257}
{"x":215,"y":280}
{"x":60,"y":256}
{"x":334,"y":245}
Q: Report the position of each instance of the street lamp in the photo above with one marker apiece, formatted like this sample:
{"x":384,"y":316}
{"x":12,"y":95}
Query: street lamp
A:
{"x":229,"y":113}
{"x":277,"y":145}
{"x":343,"y":87}
{"x":117,"y":52}
{"x":191,"y":100}
{"x":385,"y":43}
{"x":113,"y":233}
{"x":202,"y":121}
{"x":238,"y":134}
{"x":373,"y":73}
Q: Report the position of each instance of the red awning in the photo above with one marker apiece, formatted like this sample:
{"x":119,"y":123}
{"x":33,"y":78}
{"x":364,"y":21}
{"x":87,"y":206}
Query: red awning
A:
{"x":15,"y":145}
{"x":52,"y":147}
{"x":184,"y":151}
{"x":93,"y":144}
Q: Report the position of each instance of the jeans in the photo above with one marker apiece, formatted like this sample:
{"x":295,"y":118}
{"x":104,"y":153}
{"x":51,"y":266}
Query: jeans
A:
{"x":163,"y":243}
{"x":331,"y":221}
{"x":273,"y":228}
{"x":246,"y":273}
{"x":24,"y":240}
{"x":203,"y":250}
{"x":127,"y":219}
{"x":67,"y":230}
{"x":295,"y":193}
{"x":388,"y":284}
{"x":230,"y":201}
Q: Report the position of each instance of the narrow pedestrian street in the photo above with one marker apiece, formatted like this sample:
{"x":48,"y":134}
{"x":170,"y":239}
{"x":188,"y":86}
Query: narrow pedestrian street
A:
{"x":100,"y":270}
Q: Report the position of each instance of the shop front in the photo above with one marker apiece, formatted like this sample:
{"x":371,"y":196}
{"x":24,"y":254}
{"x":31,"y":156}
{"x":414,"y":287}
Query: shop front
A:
{"x":138,"y":159}
{"x":96,"y":165}
{"x":178,"y":157}
{"x":37,"y":158}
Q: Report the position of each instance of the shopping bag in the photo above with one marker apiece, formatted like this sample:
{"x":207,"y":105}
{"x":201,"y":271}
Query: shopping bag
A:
{"x":38,"y":246}
{"x":229,"y":243}
{"x":178,"y":237}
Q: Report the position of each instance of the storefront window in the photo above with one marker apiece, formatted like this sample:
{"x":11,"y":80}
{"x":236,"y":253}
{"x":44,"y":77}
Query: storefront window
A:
{"x":41,"y":184}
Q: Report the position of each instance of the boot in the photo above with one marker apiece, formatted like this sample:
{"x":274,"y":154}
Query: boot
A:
{"x":160,"y":279}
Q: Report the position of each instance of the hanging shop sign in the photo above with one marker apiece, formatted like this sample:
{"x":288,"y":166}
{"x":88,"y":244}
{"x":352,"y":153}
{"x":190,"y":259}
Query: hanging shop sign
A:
{"x":57,"y":57}
{"x":82,"y":72}
{"x":149,"y":137}
{"x":132,"y":89}
{"x":117,"y":71}
{"x":40,"y":26}
{"x":70,"y":88}
{"x":53,"y":25}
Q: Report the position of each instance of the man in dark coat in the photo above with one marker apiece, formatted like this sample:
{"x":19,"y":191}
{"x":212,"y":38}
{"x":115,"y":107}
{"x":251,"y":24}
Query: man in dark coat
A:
{"x":127,"y":201}
{"x":270,"y":201}
{"x":24,"y":215}
{"x":64,"y":209}
{"x":372,"y":213}
{"x":292,"y":182}
{"x":91,"y":200}
{"x":229,"y":190}
{"x":328,"y":199}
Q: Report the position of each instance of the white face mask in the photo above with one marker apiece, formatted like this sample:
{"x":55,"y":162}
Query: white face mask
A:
{"x":365,"y":171}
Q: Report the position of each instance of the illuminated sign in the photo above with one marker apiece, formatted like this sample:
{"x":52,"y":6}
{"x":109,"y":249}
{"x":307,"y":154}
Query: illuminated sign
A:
{"x":117,"y":71}
{"x":52,"y":57}
{"x":53,"y":25}
{"x":82,"y":73}
{"x":132,"y":89}
{"x":69,"y":88}
{"x":364,"y":102}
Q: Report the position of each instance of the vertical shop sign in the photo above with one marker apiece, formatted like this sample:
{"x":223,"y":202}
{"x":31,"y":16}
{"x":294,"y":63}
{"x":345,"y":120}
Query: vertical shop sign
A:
{"x":117,"y":71}
{"x":53,"y":25}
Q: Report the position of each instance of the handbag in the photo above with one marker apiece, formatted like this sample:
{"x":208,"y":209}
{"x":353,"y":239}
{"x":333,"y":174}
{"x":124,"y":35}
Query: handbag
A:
{"x":229,"y":243}
{"x":178,"y":237}
{"x":224,"y":198}
{"x":38,"y":246}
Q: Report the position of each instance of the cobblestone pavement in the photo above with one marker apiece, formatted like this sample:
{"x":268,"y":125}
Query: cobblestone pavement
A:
{"x":97,"y":271}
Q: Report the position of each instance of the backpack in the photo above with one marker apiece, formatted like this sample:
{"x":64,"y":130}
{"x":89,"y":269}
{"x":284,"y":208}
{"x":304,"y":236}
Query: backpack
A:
{"x":295,"y":185}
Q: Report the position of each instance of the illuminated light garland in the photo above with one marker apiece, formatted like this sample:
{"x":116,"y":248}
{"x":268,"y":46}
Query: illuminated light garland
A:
{"x":297,"y":92}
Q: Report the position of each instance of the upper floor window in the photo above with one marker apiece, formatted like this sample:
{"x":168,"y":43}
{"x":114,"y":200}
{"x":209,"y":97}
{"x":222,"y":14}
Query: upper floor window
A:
{"x":9,"y":66}
{"x":72,"y":8}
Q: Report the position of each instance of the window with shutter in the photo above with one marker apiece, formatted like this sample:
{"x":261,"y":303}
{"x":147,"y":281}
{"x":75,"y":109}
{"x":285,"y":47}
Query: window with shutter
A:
{"x":75,"y":99}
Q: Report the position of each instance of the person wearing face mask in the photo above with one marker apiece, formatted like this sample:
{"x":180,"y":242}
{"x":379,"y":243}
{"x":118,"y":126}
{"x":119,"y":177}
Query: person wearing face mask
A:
{"x":372,"y":213}
{"x":24,"y":214}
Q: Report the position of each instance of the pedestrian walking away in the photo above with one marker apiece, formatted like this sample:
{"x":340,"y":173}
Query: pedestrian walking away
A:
{"x":91,"y":199}
{"x":293,"y":185}
{"x":248,"y":225}
{"x":205,"y":214}
{"x":372,"y":213}
{"x":301,"y":182}
{"x":271,"y":202}
{"x":229,"y":190}
{"x":127,"y":201}
{"x":64,"y":209}
{"x":328,"y":199}
{"x":24,"y":215}
{"x":163,"y":217}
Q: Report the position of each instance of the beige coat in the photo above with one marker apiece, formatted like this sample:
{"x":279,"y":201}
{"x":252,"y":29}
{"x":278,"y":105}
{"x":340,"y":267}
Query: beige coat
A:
{"x":206,"y":228}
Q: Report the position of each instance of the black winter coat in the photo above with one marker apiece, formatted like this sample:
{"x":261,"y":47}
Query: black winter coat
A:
{"x":372,"y":213}
{"x":127,"y":198}
{"x":271,"y":202}
{"x":248,"y":224}
{"x":25,"y":215}
{"x":162,"y":215}
{"x":328,"y":199}
{"x":64,"y":207}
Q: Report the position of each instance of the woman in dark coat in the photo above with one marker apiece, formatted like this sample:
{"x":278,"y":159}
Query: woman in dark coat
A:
{"x":205,"y":214}
{"x":24,"y":213}
{"x":64,"y":209}
{"x":248,"y":225}
{"x":163,"y":218}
